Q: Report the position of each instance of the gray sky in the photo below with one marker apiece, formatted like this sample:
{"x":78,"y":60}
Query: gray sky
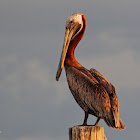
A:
{"x":33,"y":106}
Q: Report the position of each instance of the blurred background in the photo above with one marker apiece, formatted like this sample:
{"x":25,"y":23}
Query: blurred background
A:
{"x":33,"y":106}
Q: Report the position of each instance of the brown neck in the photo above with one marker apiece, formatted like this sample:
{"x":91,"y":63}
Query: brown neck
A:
{"x":70,"y":59}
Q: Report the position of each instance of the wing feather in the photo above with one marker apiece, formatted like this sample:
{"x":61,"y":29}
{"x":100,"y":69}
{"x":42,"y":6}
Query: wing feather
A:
{"x":88,"y":92}
{"x":114,"y":113}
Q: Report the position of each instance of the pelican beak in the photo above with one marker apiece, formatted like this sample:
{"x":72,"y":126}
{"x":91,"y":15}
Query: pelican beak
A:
{"x":71,"y":30}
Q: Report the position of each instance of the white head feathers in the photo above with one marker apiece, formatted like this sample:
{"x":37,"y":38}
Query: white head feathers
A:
{"x":75,"y":18}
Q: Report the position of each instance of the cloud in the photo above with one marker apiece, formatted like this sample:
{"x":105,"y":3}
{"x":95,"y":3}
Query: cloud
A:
{"x":10,"y":75}
{"x":26,"y":79}
{"x":38,"y":72}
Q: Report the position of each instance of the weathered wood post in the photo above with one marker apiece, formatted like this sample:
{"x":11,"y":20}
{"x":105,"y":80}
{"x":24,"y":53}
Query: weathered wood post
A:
{"x":87,"y":133}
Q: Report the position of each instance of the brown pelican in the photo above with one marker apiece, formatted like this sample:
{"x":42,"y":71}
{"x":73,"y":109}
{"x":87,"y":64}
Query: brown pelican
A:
{"x":91,"y":90}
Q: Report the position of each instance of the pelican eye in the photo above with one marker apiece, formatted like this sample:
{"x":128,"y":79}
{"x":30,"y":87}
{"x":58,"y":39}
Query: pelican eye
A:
{"x":71,"y":21}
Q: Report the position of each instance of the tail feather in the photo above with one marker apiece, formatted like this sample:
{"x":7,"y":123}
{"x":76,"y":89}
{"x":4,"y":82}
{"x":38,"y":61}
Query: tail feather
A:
{"x":109,"y":122}
{"x":112,"y":123}
{"x":115,"y":119}
{"x":122,"y":125}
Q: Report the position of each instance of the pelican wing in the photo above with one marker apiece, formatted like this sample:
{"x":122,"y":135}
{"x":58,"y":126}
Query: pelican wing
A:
{"x":113,"y":99}
{"x":108,"y":86}
{"x":88,"y":92}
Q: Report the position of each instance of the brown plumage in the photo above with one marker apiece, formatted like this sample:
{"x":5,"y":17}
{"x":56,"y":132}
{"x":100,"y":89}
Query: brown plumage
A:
{"x":91,"y":90}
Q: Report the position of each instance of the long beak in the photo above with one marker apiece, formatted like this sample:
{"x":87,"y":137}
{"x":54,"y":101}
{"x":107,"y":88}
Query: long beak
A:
{"x":70,"y":31}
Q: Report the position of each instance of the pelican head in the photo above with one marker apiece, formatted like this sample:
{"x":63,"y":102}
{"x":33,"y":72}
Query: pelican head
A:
{"x":74,"y":25}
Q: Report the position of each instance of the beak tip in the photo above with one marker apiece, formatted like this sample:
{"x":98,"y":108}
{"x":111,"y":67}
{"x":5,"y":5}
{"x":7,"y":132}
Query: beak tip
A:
{"x":57,"y":79}
{"x":58,"y":73}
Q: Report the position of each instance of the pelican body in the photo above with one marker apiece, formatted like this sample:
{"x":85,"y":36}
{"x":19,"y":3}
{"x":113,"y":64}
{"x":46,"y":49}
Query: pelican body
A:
{"x":91,"y":90}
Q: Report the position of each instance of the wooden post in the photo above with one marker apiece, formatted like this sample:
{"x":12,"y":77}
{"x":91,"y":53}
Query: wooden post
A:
{"x":87,"y":133}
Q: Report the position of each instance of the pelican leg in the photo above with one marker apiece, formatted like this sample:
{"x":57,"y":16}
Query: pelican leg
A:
{"x":85,"y":119}
{"x":97,"y":122}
